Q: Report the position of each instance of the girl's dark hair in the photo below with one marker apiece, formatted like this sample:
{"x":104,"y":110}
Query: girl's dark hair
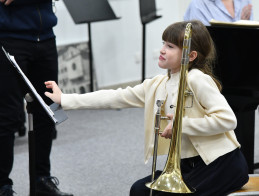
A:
{"x":201,"y":42}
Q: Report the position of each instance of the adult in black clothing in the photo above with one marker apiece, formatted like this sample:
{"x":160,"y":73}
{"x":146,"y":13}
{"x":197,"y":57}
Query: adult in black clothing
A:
{"x":26,"y":32}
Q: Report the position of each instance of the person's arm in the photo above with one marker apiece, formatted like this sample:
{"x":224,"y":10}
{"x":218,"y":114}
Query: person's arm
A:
{"x":218,"y":118}
{"x":6,"y":2}
{"x":102,"y":99}
{"x":23,"y":2}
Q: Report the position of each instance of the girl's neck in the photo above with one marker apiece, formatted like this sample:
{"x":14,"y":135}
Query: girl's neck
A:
{"x":175,"y":71}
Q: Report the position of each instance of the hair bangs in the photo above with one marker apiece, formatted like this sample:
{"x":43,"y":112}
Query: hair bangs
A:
{"x":174,"y":34}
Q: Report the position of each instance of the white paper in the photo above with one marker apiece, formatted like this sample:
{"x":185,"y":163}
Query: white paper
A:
{"x":38,"y":97}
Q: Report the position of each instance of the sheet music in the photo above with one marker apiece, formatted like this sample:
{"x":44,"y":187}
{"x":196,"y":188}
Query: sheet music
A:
{"x":35,"y":93}
{"x":245,"y":23}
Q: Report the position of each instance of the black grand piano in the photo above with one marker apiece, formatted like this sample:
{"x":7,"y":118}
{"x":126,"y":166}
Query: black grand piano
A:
{"x":237,"y":67}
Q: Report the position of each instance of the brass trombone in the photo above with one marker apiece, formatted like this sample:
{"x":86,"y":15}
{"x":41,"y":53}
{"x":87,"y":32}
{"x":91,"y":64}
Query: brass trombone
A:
{"x":171,"y":178}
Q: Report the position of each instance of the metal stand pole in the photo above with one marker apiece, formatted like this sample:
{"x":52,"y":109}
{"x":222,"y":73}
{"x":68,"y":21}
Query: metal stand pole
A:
{"x":143,"y":52}
{"x":90,"y":58}
{"x":31,"y":135}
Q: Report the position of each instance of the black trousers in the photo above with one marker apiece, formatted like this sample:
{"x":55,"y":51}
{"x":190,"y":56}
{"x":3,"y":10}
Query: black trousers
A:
{"x":221,"y":177}
{"x":38,"y":60}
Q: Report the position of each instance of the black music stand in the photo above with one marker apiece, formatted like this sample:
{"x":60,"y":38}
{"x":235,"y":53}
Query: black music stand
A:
{"x":88,"y":11}
{"x":31,"y":144}
{"x":147,"y":14}
{"x":54,"y":111}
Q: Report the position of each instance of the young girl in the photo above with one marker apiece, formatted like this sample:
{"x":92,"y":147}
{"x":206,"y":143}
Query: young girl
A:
{"x":211,"y":161}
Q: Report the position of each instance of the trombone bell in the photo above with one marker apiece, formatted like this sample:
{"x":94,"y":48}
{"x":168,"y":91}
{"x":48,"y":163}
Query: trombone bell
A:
{"x":170,"y":182}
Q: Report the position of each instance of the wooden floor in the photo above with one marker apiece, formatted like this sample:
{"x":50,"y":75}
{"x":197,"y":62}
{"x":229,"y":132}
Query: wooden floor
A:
{"x":252,"y":185}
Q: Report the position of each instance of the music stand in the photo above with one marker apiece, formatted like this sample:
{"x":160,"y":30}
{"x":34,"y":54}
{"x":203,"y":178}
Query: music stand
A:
{"x":147,"y":14}
{"x":88,"y":11}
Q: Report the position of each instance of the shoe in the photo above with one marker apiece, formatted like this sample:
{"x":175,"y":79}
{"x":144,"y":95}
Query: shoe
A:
{"x":47,"y":186}
{"x":6,"y":190}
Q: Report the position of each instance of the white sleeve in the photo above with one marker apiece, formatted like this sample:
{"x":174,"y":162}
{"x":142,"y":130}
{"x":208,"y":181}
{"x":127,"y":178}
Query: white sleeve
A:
{"x":105,"y":99}
{"x":218,"y":117}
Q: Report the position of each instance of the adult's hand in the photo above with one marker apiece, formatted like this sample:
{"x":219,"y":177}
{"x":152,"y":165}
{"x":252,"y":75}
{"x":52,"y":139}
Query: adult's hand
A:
{"x":6,"y":2}
{"x":246,"y":12}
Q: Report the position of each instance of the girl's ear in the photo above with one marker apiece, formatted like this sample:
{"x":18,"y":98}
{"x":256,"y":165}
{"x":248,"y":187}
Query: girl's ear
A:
{"x":192,"y":56}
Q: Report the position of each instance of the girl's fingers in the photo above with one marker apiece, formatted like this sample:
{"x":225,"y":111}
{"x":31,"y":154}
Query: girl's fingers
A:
{"x":48,"y":94}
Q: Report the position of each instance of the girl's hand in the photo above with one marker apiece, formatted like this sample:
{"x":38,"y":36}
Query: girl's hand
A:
{"x":167,"y":133}
{"x":56,"y":95}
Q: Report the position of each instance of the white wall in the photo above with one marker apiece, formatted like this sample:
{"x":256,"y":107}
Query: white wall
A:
{"x":117,"y":44}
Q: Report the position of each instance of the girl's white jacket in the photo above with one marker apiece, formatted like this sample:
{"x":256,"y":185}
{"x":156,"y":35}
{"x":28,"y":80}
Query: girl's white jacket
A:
{"x":209,"y":123}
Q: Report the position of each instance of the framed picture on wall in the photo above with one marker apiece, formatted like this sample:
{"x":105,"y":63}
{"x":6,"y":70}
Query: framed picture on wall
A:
{"x":73,"y":74}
